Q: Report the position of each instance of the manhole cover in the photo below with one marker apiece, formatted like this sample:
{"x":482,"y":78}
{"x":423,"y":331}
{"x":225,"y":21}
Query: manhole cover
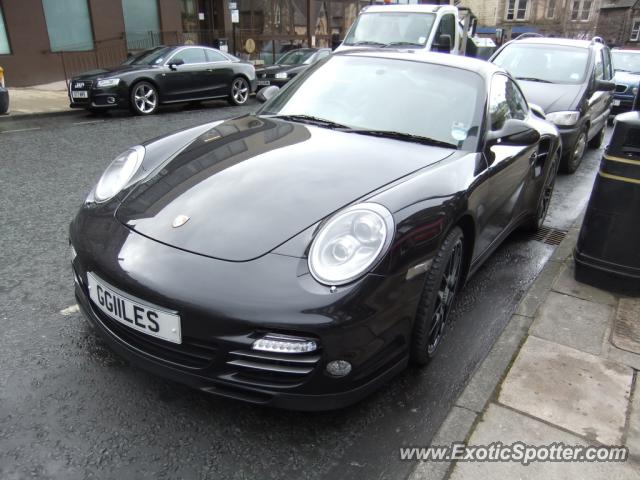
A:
{"x":626,"y":331}
{"x":550,"y":236}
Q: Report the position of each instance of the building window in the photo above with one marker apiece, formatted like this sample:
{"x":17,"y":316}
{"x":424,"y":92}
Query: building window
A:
{"x":581,"y":10}
{"x":517,"y":9}
{"x":141,"y":23}
{"x":68,"y":25}
{"x":635,"y":30}
{"x":4,"y":40}
{"x":551,"y":9}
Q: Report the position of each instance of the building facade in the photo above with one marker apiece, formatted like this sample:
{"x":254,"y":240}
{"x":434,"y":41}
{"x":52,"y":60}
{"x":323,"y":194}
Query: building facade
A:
{"x":619,"y":23}
{"x":558,"y":18}
{"x":44,"y":41}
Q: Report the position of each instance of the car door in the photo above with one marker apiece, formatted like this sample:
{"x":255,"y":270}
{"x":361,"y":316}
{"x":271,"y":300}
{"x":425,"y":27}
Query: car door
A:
{"x":599,"y":103}
{"x":509,"y":166}
{"x":219,"y":73}
{"x":187,"y":80}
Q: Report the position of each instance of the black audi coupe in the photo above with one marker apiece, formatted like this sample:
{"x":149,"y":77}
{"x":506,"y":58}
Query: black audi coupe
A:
{"x":164,"y":75}
{"x":302,"y":256}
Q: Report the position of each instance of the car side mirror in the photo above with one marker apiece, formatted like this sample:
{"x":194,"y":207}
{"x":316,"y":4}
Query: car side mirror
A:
{"x":604,"y":86}
{"x":513,"y":133}
{"x":537,"y":111}
{"x":176,"y":63}
{"x":267,"y":93}
{"x":444,"y":43}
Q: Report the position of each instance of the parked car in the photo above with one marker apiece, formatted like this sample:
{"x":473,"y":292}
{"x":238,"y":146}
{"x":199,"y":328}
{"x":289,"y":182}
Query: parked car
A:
{"x":626,"y":64}
{"x":571,"y":81}
{"x":289,"y":65}
{"x":164,"y":75}
{"x":301,"y":256}
{"x":4,"y":95}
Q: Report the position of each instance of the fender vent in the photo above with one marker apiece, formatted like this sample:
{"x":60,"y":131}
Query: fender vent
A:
{"x":550,"y":236}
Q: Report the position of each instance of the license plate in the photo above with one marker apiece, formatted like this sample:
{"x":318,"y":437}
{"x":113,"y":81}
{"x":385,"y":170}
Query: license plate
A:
{"x":134,"y":313}
{"x":616,"y":103}
{"x":264,"y":83}
{"x":79,"y":94}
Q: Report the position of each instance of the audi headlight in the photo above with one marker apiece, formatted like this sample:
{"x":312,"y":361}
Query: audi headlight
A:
{"x":108,"y":82}
{"x":564,"y":119}
{"x":350,"y":243}
{"x":281,"y":75}
{"x":118,"y":174}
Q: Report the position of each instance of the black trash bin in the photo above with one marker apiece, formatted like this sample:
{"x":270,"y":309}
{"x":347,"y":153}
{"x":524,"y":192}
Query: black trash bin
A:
{"x":607,"y":254}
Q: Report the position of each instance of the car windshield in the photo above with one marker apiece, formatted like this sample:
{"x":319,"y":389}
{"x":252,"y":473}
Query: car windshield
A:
{"x":295,"y":57}
{"x":626,"y":61}
{"x":154,"y":56}
{"x":547,"y":63}
{"x":375,"y":95}
{"x":385,"y":28}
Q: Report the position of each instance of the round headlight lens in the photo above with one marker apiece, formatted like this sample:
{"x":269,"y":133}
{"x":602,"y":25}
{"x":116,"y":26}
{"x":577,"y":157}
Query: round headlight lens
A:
{"x":350,"y":243}
{"x":118,"y":174}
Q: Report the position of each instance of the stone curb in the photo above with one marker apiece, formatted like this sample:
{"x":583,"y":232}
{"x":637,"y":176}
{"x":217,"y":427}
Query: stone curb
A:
{"x":486,"y":381}
{"x":17,"y":117}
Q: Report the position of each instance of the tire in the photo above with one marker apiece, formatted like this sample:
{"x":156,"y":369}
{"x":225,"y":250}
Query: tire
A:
{"x":535,"y":222}
{"x":443,"y":281}
{"x":571,"y":161}
{"x":597,"y":141}
{"x":239,"y":92}
{"x":144,"y":98}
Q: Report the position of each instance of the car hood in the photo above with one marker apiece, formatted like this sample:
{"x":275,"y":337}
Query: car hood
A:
{"x":627,"y":78}
{"x":111,"y":72}
{"x":552,"y":97}
{"x":252,"y":183}
{"x":273,"y":69}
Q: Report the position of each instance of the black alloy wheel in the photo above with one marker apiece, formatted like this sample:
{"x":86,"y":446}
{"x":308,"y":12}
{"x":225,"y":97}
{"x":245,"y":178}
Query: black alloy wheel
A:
{"x":441,"y":286}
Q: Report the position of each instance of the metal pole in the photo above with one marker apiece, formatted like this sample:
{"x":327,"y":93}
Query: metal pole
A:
{"x":309,"y":33}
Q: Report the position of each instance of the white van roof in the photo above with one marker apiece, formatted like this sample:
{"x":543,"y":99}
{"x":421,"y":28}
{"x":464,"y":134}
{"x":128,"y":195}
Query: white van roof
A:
{"x":409,"y":8}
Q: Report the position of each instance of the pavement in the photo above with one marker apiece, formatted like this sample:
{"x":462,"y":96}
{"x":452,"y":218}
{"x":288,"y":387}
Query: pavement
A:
{"x":50,"y":98}
{"x":563,"y":371}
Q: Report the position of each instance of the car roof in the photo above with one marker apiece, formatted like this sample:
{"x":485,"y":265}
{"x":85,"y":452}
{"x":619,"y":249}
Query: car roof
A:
{"x":566,"y":42}
{"x":625,"y":50}
{"x":415,"y":8}
{"x":481,"y":67}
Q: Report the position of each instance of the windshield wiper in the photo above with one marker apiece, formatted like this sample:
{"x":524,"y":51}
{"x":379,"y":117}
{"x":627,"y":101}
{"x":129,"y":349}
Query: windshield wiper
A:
{"x":321,"y":122}
{"x":401,"y":44}
{"x":404,"y":136}
{"x":366,"y":42}
{"x":533,"y":79}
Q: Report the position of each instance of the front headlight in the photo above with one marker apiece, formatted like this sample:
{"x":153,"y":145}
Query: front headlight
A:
{"x":118,"y":174}
{"x":350,"y":243}
{"x":108,"y":82}
{"x":281,"y":75}
{"x":564,"y":119}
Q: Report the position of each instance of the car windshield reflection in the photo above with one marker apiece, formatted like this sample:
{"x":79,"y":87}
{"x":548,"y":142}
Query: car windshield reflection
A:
{"x":367,"y":94}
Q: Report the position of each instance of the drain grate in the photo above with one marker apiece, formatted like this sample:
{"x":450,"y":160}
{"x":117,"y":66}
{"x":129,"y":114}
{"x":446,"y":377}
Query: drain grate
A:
{"x":550,"y":236}
{"x":626,"y":331}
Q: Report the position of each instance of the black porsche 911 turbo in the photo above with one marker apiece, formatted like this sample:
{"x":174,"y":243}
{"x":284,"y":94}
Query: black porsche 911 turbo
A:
{"x":302,"y":256}
{"x":164,"y":75}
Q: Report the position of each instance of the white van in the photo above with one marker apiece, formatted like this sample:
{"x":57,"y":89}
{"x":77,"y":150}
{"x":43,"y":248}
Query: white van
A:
{"x":429,"y":27}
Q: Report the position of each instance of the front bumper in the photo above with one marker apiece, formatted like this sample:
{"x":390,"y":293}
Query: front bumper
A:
{"x":277,"y":82}
{"x":625,"y":103}
{"x":226,"y":306}
{"x":99,"y":98}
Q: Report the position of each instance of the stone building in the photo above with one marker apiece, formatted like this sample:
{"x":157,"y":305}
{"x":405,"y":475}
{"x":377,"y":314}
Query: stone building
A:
{"x":558,"y":18}
{"x":619,"y":23}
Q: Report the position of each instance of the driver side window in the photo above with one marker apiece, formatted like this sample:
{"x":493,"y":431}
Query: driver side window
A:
{"x":505,"y":102}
